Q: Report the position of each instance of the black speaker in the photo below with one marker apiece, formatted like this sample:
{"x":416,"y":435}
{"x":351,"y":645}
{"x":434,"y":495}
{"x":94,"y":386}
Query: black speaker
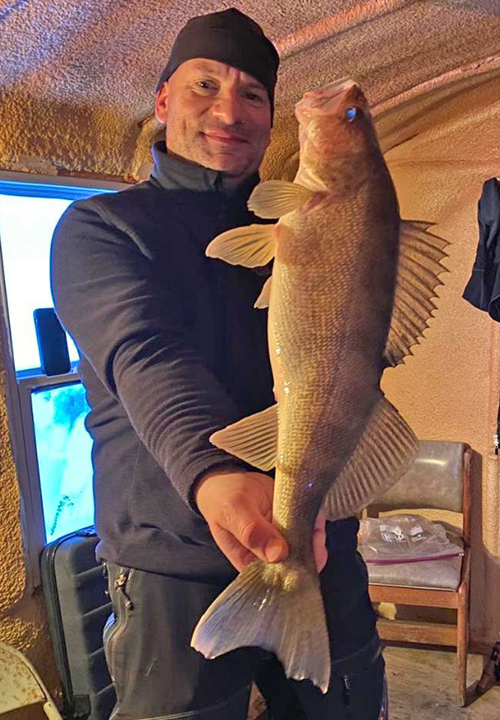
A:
{"x":52,"y":345}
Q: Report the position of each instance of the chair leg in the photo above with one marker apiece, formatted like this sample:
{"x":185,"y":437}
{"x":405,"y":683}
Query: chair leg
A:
{"x":51,"y":711}
{"x":462,"y":646}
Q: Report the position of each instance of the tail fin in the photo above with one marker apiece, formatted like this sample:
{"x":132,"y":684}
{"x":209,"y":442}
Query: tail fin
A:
{"x":277,"y":607}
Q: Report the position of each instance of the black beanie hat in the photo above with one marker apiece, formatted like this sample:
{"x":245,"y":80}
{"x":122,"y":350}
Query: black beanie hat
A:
{"x":230,"y":37}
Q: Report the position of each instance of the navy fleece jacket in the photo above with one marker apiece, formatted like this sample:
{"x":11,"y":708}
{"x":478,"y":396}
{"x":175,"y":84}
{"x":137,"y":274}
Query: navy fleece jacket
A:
{"x":171,"y":349}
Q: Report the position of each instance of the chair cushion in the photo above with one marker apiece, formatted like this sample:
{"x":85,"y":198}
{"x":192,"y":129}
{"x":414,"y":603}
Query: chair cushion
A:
{"x":433,"y":480}
{"x":429,"y":574}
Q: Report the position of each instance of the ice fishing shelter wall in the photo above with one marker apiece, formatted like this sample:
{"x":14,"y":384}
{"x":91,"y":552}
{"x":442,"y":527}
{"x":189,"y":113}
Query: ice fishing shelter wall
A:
{"x":76,"y":83}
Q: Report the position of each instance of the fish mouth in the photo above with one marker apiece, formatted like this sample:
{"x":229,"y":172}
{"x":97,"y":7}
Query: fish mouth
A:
{"x":318,"y":99}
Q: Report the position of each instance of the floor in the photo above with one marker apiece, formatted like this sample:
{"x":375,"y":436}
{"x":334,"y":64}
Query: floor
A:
{"x":422,"y":687}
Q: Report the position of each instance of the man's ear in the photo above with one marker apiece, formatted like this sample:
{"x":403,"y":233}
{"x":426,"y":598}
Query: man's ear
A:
{"x":161,"y":103}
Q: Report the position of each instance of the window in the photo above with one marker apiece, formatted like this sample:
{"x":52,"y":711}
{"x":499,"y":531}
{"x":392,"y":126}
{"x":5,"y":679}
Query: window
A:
{"x":51,"y":446}
{"x":63,"y":450}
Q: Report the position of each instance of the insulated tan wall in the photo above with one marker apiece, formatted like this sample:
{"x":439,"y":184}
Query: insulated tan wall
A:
{"x":449,"y":389}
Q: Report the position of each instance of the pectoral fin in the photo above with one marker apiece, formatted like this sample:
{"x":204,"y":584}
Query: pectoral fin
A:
{"x":250,"y":246}
{"x":382,"y":455}
{"x":253,"y":439}
{"x":275,"y":198}
{"x":265,"y":295}
{"x":419,"y":268}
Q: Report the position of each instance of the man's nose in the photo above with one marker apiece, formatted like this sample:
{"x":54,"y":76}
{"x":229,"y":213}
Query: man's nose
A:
{"x":228,"y":108}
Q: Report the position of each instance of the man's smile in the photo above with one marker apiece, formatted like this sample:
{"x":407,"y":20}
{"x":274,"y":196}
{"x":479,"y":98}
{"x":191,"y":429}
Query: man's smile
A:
{"x":224,"y":138}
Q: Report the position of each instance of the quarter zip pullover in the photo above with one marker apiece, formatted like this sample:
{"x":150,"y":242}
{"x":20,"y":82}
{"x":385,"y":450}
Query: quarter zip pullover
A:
{"x":171,"y":349}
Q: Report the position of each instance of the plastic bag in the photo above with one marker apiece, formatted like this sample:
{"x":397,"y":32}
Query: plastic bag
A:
{"x":403,"y":539}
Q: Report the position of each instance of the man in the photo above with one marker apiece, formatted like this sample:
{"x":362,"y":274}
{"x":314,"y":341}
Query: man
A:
{"x":171,"y":350}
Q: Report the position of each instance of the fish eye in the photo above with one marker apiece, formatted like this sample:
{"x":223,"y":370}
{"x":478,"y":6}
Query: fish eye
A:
{"x":353,"y":113}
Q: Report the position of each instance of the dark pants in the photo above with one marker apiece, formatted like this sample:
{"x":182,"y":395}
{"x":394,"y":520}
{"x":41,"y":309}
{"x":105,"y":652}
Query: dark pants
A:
{"x":158,"y":675}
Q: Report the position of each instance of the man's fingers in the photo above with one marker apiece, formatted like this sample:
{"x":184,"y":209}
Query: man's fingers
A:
{"x":240,"y":503}
{"x":320,"y":520}
{"x":248,"y":535}
{"x":261,"y":537}
{"x":253,"y":531}
{"x":238,"y":555}
{"x":319,"y":541}
{"x":320,"y":551}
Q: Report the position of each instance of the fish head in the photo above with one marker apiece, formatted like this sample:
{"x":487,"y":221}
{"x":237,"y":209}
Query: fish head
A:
{"x":336,"y":135}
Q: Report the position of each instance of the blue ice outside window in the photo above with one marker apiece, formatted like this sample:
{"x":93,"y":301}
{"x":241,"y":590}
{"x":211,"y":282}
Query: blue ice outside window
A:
{"x":54,"y":426}
{"x":63,"y":448}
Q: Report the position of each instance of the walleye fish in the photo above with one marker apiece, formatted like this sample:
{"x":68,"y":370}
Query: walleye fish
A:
{"x":350,"y":292}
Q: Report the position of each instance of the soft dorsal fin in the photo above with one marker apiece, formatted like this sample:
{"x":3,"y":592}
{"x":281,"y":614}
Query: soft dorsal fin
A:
{"x":250,"y":246}
{"x":383,"y":453}
{"x":420,"y":256}
{"x":275,"y":198}
{"x":265,"y":296}
{"x":253,"y":439}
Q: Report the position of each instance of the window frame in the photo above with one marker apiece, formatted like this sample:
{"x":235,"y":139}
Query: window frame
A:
{"x":20,"y":384}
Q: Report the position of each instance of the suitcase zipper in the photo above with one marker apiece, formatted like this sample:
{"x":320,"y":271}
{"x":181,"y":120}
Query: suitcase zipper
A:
{"x":123,"y":604}
{"x":120,"y":584}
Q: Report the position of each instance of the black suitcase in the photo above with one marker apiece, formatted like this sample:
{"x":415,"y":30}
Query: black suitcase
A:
{"x":78,"y":607}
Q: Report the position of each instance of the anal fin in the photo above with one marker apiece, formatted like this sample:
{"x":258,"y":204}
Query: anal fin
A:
{"x":382,"y":455}
{"x":419,"y":267}
{"x":253,"y":439}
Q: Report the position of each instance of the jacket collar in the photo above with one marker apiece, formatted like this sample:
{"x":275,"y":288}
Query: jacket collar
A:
{"x":174,"y":174}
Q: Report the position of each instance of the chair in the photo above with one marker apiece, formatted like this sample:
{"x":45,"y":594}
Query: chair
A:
{"x":439,"y":478}
{"x":20,"y":684}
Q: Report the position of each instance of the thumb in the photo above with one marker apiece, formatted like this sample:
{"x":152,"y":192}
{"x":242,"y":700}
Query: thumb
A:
{"x":257,"y":534}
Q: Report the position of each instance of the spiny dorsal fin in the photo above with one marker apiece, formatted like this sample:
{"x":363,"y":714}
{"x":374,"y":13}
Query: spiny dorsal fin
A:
{"x":253,"y":439}
{"x":381,"y":456}
{"x":250,"y":246}
{"x":265,"y":296}
{"x":419,"y":267}
{"x":275,"y":198}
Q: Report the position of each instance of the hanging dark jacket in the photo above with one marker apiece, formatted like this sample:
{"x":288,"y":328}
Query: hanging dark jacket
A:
{"x":171,"y":349}
{"x":483,"y":288}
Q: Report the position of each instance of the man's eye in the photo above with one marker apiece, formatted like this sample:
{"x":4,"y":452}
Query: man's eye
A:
{"x":204,"y":84}
{"x":254,"y":97}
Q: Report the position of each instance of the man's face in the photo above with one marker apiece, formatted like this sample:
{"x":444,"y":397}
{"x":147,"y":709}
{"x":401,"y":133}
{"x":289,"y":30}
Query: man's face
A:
{"x":216,"y":116}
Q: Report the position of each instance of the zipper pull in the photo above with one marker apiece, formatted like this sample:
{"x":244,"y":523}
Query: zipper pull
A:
{"x":346,"y":690}
{"x":119,"y":585}
{"x":105,"y":576}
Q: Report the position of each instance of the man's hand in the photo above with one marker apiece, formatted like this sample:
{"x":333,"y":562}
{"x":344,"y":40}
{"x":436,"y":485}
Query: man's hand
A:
{"x":237,"y":506}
